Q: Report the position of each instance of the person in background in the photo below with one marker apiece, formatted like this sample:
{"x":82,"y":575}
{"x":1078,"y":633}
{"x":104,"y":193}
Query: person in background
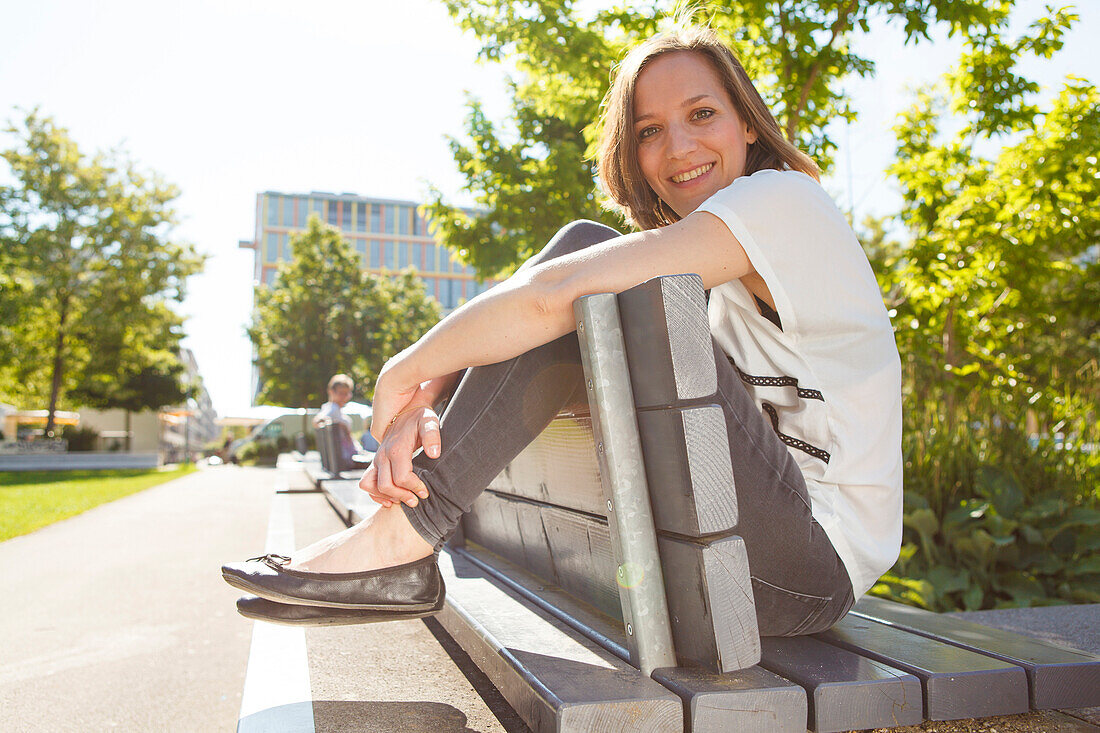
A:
{"x":340,"y":388}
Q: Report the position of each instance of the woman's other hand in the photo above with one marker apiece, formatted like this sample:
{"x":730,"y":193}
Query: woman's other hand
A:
{"x":390,"y":399}
{"x":390,"y":477}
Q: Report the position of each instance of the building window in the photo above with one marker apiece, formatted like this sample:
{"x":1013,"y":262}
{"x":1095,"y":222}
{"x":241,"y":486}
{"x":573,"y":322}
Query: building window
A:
{"x":391,"y":219}
{"x":316,"y":206}
{"x":360,"y":217}
{"x":269,"y":275}
{"x":271,"y":254}
{"x":402,"y":255}
{"x":286,"y":247}
{"x":375,"y":254}
{"x":300,"y":217}
{"x":334,"y":213}
{"x":272,"y":203}
{"x":403,"y":219}
{"x":375,"y":218}
{"x":288,"y":212}
{"x":391,"y":256}
{"x":345,"y":219}
{"x":431,"y":254}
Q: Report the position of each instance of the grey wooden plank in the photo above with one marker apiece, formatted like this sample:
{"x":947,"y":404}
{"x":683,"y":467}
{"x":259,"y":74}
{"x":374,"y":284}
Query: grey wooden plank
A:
{"x":316,"y":473}
{"x":687,"y":466}
{"x":668,"y":343}
{"x":751,"y":700}
{"x":707,"y":583}
{"x":558,"y":467}
{"x":957,"y":683}
{"x":710,"y":599}
{"x":349,"y":501}
{"x":845,"y":691}
{"x":554,"y":678}
{"x":602,"y":629}
{"x":1058,"y":677}
{"x":687,"y":463}
{"x":568,"y":549}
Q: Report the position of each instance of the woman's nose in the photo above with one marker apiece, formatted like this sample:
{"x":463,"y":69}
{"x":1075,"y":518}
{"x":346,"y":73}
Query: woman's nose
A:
{"x":681,"y":141}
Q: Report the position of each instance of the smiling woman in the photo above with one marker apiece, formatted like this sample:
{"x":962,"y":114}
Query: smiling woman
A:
{"x":808,"y":374}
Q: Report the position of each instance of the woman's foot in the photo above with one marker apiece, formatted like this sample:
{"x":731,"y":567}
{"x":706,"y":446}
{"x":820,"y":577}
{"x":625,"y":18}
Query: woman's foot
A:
{"x":382,"y":540}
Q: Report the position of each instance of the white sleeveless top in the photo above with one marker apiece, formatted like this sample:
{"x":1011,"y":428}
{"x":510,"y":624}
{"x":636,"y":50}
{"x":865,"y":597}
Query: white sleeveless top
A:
{"x":830,"y":380}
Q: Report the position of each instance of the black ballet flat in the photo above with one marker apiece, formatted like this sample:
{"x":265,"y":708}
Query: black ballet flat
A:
{"x":412,"y":587}
{"x":289,"y":614}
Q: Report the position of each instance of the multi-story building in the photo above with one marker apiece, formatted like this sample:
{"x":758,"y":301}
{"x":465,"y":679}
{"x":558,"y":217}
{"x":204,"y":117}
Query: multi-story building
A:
{"x":388,"y":235}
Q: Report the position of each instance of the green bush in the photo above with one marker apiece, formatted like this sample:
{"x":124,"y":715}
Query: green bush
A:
{"x":993,"y":522}
{"x":258,"y":453}
{"x":81,"y":439}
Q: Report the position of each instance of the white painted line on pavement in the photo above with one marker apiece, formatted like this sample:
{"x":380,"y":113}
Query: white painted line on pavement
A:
{"x":277,"y":696}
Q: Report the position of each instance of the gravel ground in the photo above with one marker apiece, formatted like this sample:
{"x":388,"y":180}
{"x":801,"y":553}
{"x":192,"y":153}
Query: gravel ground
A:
{"x":1044,"y":722}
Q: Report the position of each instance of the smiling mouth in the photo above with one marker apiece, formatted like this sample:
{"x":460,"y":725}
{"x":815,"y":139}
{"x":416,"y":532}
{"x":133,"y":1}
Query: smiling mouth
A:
{"x":693,"y":173}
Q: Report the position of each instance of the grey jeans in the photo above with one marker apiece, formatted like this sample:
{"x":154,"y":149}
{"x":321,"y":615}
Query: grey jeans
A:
{"x":799,"y":583}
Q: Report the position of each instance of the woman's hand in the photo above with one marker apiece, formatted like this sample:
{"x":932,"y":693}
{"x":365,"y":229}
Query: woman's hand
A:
{"x":390,"y":477}
{"x":391,"y":398}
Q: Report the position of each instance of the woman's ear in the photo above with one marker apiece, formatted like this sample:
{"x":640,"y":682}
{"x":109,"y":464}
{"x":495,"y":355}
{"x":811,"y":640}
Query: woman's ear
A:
{"x":750,"y":135}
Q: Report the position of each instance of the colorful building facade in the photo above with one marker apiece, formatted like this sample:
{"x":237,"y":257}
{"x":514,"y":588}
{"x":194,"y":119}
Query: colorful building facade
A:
{"x":389,"y":235}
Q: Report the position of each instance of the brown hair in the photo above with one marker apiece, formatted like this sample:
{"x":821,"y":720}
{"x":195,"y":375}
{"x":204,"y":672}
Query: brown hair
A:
{"x":617,"y":154}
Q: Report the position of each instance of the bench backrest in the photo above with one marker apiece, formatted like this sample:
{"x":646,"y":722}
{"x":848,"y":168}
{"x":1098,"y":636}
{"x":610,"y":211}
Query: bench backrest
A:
{"x":549,"y":511}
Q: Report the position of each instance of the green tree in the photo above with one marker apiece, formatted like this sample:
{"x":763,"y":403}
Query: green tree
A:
{"x":996,"y":283}
{"x":323,"y":316}
{"x":534,"y":172}
{"x":135,"y":366}
{"x":86,"y":248}
{"x":994,"y":292}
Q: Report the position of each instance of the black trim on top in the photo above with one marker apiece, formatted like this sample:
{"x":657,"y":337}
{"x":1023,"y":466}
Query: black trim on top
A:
{"x":792,"y":441}
{"x":804,"y":393}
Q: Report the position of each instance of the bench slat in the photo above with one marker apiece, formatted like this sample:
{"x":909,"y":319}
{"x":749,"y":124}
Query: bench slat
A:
{"x":845,"y":691}
{"x":668,"y":343}
{"x":706,"y":582}
{"x":555,"y":679}
{"x":958,"y":683}
{"x":687,"y":464}
{"x":558,"y":467}
{"x":751,"y":700}
{"x":1058,"y":677}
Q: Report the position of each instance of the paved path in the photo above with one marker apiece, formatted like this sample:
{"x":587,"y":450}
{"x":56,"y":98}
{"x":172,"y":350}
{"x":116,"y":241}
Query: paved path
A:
{"x":118,"y":619}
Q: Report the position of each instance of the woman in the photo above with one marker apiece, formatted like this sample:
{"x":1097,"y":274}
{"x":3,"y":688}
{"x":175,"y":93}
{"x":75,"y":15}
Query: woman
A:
{"x":809,"y":376}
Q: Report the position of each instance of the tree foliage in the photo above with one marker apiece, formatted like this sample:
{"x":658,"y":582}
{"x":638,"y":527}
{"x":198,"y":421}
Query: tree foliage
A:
{"x":88,"y":267}
{"x":323,"y":316}
{"x":994,"y":294}
{"x":533,"y":172}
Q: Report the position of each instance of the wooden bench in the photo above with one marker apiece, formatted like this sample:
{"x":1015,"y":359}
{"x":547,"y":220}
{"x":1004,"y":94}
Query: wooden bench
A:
{"x":552,"y":593}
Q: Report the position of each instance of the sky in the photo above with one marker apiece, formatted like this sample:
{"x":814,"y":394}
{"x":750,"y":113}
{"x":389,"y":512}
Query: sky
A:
{"x":228,"y":98}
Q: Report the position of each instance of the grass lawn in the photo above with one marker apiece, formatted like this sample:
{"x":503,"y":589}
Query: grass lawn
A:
{"x":32,"y":499}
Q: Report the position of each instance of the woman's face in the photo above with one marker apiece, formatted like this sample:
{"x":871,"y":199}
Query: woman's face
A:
{"x":691,"y":141}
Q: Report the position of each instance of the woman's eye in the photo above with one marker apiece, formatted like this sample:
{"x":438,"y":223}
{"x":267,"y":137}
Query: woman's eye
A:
{"x":702,"y":114}
{"x":647,"y":132}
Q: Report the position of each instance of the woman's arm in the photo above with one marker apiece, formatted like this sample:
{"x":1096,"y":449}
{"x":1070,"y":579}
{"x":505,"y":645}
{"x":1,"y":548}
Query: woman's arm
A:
{"x":535,"y":305}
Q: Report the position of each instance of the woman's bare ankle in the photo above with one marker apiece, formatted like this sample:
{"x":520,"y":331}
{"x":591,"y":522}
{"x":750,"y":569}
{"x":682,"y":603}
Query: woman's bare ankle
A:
{"x":383,"y":540}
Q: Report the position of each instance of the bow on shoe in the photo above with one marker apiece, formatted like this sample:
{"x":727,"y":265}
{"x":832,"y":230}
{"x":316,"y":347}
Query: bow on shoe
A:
{"x":275,"y":562}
